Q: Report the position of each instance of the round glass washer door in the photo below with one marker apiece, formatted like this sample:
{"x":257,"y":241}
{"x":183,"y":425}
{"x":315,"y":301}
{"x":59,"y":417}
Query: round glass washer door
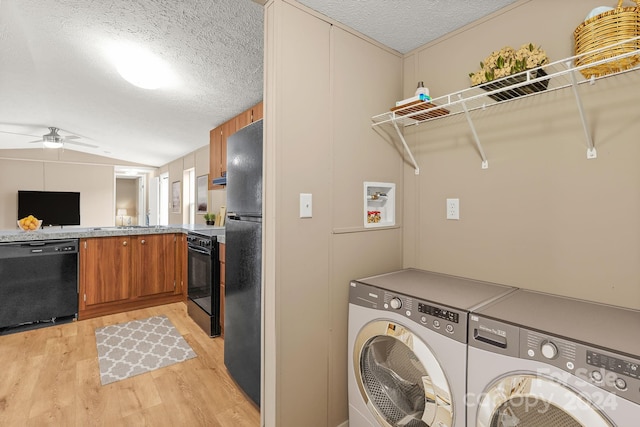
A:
{"x":530,"y":400}
{"x":399,"y":377}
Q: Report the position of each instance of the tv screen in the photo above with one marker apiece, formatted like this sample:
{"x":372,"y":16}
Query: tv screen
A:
{"x":52,"y":207}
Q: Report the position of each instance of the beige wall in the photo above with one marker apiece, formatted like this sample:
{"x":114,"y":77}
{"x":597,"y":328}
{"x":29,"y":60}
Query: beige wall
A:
{"x":199,"y":160}
{"x":321,"y":144}
{"x":176,"y":169}
{"x":38,"y":169}
{"x":542,"y":216}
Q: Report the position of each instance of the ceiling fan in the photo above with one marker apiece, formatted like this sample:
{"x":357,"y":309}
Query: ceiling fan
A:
{"x":54,"y":140}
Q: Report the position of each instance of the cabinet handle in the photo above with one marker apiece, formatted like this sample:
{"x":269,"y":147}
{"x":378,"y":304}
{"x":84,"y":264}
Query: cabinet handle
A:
{"x":142,"y":241}
{"x":124,"y":243}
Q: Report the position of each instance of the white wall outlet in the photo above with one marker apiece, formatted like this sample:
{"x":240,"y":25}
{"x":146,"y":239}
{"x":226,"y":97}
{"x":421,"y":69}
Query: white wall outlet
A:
{"x":453,"y":208}
{"x":306,"y":208}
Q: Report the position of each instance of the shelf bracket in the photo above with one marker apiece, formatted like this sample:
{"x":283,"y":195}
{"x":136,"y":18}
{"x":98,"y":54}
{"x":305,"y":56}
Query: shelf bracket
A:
{"x":485,"y":162}
{"x":406,"y":147}
{"x":591,"y":149}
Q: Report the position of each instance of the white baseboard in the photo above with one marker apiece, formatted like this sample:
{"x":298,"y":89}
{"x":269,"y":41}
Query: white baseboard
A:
{"x":344,"y":424}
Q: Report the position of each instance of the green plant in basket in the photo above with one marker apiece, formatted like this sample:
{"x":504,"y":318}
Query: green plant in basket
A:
{"x":209,"y":217}
{"x":509,"y":61}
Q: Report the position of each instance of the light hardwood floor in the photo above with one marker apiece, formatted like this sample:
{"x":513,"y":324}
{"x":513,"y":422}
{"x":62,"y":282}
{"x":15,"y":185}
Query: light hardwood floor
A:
{"x":50,"y":377}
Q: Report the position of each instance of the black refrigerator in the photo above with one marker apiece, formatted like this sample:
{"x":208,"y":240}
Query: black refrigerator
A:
{"x":243,"y":262}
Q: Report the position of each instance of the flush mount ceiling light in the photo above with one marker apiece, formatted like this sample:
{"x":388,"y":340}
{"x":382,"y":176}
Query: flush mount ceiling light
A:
{"x":140,"y":67}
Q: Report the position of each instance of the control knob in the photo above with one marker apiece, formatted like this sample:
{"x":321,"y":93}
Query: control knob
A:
{"x":549,"y":350}
{"x":395,"y":303}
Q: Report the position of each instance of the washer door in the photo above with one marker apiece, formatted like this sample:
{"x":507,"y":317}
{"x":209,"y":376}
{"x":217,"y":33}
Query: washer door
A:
{"x":529,"y":400}
{"x":399,"y":377}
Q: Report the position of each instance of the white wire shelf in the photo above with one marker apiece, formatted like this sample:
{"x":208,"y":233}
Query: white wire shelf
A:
{"x":557,"y":75}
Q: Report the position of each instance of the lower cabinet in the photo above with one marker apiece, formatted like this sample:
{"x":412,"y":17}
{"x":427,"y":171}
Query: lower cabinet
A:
{"x":153,"y":264}
{"x":222,"y":257}
{"x":124,"y":273}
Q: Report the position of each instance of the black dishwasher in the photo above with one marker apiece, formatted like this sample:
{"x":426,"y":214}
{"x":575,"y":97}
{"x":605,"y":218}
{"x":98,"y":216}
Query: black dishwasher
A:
{"x":38,"y":284}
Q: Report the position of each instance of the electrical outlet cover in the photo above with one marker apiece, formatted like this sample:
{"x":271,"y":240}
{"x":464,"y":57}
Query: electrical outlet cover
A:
{"x":453,"y":208}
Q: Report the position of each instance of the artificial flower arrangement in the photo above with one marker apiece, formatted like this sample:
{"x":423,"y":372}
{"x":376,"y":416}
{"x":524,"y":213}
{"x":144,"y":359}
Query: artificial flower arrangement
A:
{"x":509,"y":61}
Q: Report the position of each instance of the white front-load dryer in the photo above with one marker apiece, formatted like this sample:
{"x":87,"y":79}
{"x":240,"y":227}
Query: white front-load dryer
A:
{"x":407,"y":347}
{"x":543,"y":360}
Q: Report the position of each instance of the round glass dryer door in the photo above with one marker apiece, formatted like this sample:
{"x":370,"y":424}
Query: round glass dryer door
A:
{"x":529,"y":400}
{"x":399,"y":377}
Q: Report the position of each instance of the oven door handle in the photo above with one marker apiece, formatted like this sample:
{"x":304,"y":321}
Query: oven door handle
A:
{"x":200,"y":251}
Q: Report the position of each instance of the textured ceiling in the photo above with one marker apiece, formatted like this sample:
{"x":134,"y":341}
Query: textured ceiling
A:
{"x":55,"y":72}
{"x":54,"y":69}
{"x":405,"y":24}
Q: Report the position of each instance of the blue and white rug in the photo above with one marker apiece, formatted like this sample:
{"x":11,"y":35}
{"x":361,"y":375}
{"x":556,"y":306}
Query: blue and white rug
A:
{"x":139,"y":346}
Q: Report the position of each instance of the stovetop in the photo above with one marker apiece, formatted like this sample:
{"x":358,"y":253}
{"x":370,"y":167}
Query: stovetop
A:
{"x":206,"y":231}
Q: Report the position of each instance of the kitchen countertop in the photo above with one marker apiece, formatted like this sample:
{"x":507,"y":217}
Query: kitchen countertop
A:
{"x":56,"y":233}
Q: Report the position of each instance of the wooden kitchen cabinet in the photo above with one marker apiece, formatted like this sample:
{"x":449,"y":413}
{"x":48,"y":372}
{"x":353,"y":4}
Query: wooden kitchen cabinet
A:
{"x":105,"y":267}
{"x":222,"y":256}
{"x":218,"y":141}
{"x":216,"y":156}
{"x":257,"y":112}
{"x":228,"y":129}
{"x":249,"y":116}
{"x":154,"y":264}
{"x":125,"y":273}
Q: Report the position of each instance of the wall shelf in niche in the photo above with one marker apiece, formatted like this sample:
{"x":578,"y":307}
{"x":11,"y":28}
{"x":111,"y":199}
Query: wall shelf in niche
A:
{"x":379,"y":204}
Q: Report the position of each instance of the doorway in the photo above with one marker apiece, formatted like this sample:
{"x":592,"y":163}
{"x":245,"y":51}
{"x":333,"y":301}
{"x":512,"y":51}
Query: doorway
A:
{"x":163,"y":210}
{"x":129,"y":201}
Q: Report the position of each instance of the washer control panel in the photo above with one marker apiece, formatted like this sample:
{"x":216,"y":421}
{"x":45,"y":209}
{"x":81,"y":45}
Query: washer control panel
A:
{"x":444,"y":320}
{"x":615,"y":373}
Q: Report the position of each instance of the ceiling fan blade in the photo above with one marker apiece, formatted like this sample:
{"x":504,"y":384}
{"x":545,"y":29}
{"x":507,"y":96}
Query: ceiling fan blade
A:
{"x":84,"y":144}
{"x":18,"y":133}
{"x":70,"y":137}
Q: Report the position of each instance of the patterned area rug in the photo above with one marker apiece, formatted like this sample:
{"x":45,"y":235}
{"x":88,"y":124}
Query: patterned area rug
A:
{"x":139,"y":346}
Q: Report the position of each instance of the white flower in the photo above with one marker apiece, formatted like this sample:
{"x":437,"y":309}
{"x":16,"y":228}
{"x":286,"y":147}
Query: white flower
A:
{"x":508,"y":61}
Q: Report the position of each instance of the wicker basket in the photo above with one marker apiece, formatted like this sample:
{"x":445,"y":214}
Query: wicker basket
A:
{"x":606,"y":29}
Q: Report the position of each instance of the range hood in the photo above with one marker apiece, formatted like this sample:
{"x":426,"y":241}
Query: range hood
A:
{"x":220,"y":180}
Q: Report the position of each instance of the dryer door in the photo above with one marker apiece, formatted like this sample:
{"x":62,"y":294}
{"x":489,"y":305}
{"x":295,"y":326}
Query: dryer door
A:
{"x":530,"y":400}
{"x":399,"y":377}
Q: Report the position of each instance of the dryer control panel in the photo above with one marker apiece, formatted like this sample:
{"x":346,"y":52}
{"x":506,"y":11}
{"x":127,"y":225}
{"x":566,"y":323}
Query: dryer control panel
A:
{"x":615,"y":373}
{"x":618,"y":374}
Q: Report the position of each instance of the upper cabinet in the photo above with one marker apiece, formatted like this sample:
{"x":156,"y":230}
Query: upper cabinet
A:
{"x":218,"y":142}
{"x":215,"y":156}
{"x":251,"y":115}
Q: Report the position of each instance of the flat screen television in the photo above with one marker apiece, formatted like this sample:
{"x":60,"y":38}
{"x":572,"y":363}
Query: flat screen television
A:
{"x":52,"y":207}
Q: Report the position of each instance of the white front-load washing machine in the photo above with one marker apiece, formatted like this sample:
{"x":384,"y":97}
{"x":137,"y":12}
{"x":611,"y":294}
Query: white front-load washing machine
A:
{"x":407,"y":347}
{"x":537,"y":359}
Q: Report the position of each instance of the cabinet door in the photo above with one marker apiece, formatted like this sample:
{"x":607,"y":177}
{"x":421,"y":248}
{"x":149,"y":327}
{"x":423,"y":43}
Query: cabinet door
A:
{"x":153,"y":258}
{"x":257,"y":112}
{"x":243,"y":119}
{"x":216,"y":157}
{"x":228,"y":129}
{"x":104,"y":270}
{"x":222,"y":256}
{"x":181,"y":264}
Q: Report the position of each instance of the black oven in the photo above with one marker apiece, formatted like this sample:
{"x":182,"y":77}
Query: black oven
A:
{"x":203,"y":286}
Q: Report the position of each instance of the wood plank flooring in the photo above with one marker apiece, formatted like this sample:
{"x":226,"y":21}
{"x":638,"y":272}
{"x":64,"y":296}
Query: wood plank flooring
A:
{"x":50,"y":377}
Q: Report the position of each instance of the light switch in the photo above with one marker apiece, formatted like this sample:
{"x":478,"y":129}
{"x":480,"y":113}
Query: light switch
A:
{"x":305,"y":205}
